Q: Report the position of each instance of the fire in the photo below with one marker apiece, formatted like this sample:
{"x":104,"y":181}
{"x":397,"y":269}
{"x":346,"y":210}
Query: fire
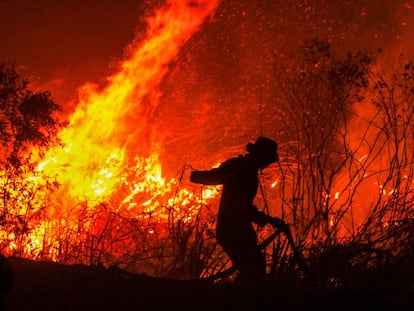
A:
{"x":108,"y":124}
{"x":104,"y":197}
{"x":108,"y":161}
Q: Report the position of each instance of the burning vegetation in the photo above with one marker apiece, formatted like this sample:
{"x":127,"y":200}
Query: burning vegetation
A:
{"x":98,"y":189}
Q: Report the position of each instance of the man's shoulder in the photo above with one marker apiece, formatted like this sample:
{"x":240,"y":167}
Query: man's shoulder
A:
{"x":234,"y":162}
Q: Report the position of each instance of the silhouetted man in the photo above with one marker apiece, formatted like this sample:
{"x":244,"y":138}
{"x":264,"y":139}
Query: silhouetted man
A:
{"x":234,"y":230}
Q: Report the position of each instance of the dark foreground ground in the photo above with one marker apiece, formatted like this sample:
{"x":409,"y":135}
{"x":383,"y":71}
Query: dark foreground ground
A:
{"x":51,"y":286}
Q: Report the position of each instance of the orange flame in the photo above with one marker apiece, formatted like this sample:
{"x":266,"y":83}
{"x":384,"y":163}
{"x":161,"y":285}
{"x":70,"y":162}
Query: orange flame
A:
{"x":108,"y":150}
{"x":110,"y":123}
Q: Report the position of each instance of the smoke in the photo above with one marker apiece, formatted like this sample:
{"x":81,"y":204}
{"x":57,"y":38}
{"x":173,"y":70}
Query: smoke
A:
{"x":221,"y":93}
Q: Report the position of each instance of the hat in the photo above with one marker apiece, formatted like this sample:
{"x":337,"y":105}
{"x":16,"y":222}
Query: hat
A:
{"x":264,"y":147}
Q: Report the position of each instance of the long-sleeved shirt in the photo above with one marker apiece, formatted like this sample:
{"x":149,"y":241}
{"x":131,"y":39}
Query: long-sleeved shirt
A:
{"x":236,"y":211}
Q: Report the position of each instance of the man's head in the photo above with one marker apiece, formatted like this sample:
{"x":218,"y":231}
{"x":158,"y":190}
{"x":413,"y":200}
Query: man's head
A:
{"x":264,"y":150}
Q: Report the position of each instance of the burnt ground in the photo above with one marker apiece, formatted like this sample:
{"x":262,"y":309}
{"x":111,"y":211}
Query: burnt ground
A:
{"x":52,"y":286}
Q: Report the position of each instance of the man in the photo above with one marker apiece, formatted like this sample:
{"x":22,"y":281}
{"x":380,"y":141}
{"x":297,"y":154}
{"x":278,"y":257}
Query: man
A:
{"x":234,"y":230}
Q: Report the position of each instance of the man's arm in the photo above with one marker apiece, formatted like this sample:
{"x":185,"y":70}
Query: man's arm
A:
{"x":262,"y":219}
{"x":258,"y":217}
{"x":210,"y":177}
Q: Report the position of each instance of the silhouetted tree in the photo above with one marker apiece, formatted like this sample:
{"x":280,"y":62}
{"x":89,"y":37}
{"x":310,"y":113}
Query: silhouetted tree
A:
{"x":320,"y":93}
{"x":29,"y":122}
{"x":27,"y":118}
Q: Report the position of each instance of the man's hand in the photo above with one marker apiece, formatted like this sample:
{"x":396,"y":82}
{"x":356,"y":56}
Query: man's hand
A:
{"x":279,"y":223}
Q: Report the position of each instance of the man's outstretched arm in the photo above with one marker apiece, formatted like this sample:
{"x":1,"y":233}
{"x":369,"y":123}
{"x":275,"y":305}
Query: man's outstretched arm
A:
{"x":210,"y":177}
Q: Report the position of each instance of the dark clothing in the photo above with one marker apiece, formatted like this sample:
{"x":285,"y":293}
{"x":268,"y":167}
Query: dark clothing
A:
{"x":234,"y":230}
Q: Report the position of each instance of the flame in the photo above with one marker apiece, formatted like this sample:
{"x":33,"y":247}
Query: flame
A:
{"x":108,"y":123}
{"x":107,"y":154}
{"x":112,"y":183}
